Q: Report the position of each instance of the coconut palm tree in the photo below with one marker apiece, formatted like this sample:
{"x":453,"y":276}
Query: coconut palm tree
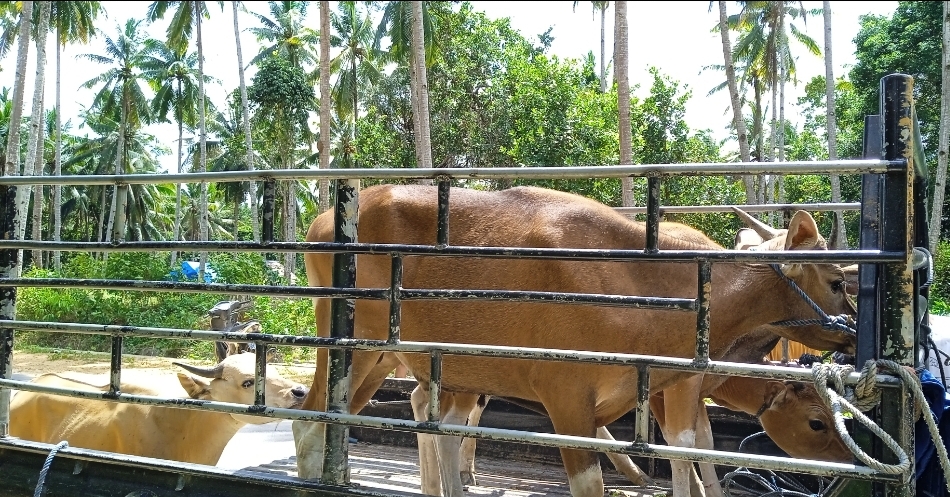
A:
{"x":324,"y":147}
{"x":841,"y":236}
{"x":121,"y":92}
{"x":188,"y":15}
{"x":602,"y":7}
{"x":174,"y":77}
{"x":356,"y":64}
{"x":74,"y":22}
{"x":11,"y":165}
{"x":943,"y":144}
{"x":286,"y":35}
{"x":34,"y":147}
{"x":742,"y":134}
{"x":623,"y":97}
{"x":423,"y":143}
{"x":245,"y":117}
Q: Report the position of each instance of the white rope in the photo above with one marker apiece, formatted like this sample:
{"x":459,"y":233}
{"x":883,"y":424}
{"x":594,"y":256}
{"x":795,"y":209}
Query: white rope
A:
{"x":865,"y":396}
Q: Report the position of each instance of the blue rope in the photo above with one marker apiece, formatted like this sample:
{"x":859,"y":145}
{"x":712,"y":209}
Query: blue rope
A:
{"x":839,"y":323}
{"x":46,"y":465}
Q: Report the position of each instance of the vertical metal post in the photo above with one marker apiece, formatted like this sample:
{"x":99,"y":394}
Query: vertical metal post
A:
{"x":653,"y":214}
{"x":8,"y":263}
{"x":118,"y":225}
{"x":267,"y":216}
{"x":395,"y":304}
{"x":260,"y":372}
{"x":897,"y":317}
{"x":342,"y":314}
{"x":870,"y":239}
{"x":435,"y":385}
{"x":641,"y":429}
{"x":442,"y":229}
{"x":115,"y":369}
{"x":702,"y":311}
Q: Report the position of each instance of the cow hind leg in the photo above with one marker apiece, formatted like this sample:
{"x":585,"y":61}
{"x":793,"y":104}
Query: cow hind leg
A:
{"x":468,"y":444}
{"x":577,"y":418}
{"x":704,"y":440}
{"x":430,"y":481}
{"x":681,"y":406}
{"x":623,"y":463}
{"x":456,"y":410}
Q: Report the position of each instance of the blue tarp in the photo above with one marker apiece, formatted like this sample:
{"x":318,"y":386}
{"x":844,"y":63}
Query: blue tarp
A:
{"x":930,"y":479}
{"x":189,"y":269}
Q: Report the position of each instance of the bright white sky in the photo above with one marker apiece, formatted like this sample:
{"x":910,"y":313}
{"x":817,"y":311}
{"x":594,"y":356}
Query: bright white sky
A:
{"x":675,"y":37}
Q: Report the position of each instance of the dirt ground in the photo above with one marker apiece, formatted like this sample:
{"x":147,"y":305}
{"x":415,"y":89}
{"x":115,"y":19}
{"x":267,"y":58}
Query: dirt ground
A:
{"x":33,"y":363}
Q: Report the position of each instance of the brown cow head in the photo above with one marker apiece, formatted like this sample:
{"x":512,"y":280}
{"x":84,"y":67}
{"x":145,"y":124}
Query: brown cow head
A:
{"x":800,"y":423}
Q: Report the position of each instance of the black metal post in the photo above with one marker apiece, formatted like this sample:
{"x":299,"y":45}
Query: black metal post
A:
{"x":897,"y":334}
{"x":115,"y":369}
{"x":267,"y":216}
{"x":8,"y":265}
{"x":704,"y":291}
{"x":260,"y":371}
{"x":653,"y":213}
{"x":442,"y":229}
{"x":395,"y":304}
{"x":342,"y":314}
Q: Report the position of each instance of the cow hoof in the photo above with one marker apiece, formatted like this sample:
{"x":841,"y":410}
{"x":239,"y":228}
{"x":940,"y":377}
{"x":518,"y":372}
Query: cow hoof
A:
{"x":467,"y":478}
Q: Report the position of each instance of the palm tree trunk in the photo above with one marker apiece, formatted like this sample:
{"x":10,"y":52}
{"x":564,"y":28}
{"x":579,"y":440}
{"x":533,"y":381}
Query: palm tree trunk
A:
{"x":11,"y":165}
{"x":202,"y":143}
{"x":780,"y":179}
{"x":603,"y":63}
{"x":248,"y":144}
{"x":840,"y":231}
{"x":757,"y":116}
{"x":324,"y":146}
{"x":55,"y":211}
{"x":423,"y":144}
{"x":118,"y":200}
{"x":102,"y":214}
{"x":177,"y":228}
{"x":738,"y":122}
{"x":36,"y":128}
{"x":38,"y":198}
{"x":621,"y":74}
{"x":941,"y":182}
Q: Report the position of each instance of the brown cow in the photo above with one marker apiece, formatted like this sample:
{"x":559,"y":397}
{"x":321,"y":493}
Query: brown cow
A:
{"x":185,"y":435}
{"x":577,"y":397}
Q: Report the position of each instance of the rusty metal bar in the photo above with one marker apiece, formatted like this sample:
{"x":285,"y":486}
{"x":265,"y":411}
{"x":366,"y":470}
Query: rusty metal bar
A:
{"x":505,"y":435}
{"x":546,"y":172}
{"x":435,"y":385}
{"x":395,"y":304}
{"x":260,"y":372}
{"x":835,"y":256}
{"x":641,"y":428}
{"x":115,"y":366}
{"x":442,"y":226}
{"x":704,"y":291}
{"x":267,"y":214}
{"x":342,"y":314}
{"x":674,"y":363}
{"x":699,"y":209}
{"x":653,"y":214}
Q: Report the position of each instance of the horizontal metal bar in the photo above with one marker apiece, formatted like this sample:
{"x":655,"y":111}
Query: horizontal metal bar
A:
{"x":568,"y":172}
{"x":558,"y":297}
{"x":607,"y":358}
{"x":547,"y":439}
{"x":181,"y":468}
{"x":185,"y":287}
{"x":699,"y":209}
{"x":836,"y":256}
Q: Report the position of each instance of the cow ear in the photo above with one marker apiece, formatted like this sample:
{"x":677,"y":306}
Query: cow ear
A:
{"x":802,"y":232}
{"x":851,"y":279}
{"x":774,"y":393}
{"x":197,"y":388}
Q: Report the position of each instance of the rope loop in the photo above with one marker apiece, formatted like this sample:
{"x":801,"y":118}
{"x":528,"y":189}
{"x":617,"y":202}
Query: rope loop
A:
{"x":865,"y":396}
{"x":46,"y":464}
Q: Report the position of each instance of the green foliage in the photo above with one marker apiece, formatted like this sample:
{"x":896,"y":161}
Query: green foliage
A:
{"x":940,"y":288}
{"x":151,"y":309}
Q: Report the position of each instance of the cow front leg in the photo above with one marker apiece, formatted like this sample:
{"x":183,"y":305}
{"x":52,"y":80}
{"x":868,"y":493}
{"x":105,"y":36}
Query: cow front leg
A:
{"x":704,"y":440}
{"x":457,"y":412}
{"x":430,"y":483}
{"x":467,"y":455}
{"x":681,"y":411}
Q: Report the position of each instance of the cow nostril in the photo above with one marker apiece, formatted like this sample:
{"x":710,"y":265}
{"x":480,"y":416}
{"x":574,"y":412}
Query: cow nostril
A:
{"x":299,"y":392}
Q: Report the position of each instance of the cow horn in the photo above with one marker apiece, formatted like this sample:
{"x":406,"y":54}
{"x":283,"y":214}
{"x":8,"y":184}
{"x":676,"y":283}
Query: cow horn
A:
{"x":765,"y":231}
{"x":214,"y":372}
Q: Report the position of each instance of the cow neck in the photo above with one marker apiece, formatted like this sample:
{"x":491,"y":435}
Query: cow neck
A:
{"x":207,"y":433}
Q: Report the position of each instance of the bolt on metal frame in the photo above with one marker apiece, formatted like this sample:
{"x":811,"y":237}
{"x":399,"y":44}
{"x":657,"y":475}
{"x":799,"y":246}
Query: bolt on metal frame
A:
{"x":892,"y":248}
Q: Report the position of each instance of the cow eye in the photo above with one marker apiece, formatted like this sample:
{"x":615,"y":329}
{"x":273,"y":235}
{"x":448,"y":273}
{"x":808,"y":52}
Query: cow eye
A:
{"x":247,"y":383}
{"x":816,"y":424}
{"x":837,"y":286}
